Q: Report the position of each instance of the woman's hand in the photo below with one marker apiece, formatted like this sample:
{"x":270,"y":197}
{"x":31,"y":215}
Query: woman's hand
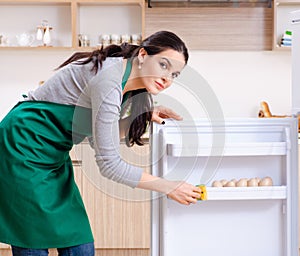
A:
{"x":160,"y":113}
{"x":179,"y":191}
{"x":184,"y":193}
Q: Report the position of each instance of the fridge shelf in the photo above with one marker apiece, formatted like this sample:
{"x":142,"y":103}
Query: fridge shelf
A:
{"x":233,"y":149}
{"x":246,"y":193}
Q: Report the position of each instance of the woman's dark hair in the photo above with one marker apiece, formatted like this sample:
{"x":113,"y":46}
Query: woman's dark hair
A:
{"x":142,"y":104}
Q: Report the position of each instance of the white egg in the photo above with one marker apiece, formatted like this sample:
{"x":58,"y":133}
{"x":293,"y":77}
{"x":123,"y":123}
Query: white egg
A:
{"x":229,"y":184}
{"x":217,"y":183}
{"x":223,"y":182}
{"x":266,"y":181}
{"x":234,"y":180}
{"x":258,"y":179}
{"x":242,"y":183}
{"x":252,"y":182}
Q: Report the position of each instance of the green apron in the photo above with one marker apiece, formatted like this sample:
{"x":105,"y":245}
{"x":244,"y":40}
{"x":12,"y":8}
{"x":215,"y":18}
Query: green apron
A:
{"x":40,"y":204}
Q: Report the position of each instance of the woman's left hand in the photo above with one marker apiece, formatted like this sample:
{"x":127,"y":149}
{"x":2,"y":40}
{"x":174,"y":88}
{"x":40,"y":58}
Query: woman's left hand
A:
{"x":160,"y":113}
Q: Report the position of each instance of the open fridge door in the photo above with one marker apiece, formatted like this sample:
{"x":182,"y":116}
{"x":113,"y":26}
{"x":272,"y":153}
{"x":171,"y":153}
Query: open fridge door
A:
{"x":233,"y":221}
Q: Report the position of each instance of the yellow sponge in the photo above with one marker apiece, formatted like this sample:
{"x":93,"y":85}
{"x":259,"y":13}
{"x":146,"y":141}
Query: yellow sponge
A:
{"x":203,"y":192}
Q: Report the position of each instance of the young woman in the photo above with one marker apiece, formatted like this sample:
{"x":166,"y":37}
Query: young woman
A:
{"x":40,"y":205}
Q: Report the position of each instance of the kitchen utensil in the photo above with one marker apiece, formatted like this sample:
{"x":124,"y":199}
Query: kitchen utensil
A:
{"x":85,"y":41}
{"x":47,"y":37}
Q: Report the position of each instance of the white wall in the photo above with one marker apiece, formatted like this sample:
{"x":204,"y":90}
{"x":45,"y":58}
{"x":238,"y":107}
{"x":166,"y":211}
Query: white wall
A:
{"x":240,"y":80}
{"x":21,"y":71}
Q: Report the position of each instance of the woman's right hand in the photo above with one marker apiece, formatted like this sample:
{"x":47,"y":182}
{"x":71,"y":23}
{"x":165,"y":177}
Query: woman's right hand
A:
{"x":179,"y":191}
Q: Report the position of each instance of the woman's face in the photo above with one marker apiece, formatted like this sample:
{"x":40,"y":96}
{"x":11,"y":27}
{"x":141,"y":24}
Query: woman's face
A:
{"x":158,"y":71}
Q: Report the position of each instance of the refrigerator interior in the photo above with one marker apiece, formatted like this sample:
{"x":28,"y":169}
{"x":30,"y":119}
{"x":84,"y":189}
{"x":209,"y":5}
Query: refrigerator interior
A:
{"x":233,"y":221}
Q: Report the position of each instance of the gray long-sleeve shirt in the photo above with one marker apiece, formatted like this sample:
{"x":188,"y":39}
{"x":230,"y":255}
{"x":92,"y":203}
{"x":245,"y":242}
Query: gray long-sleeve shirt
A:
{"x":78,"y":85}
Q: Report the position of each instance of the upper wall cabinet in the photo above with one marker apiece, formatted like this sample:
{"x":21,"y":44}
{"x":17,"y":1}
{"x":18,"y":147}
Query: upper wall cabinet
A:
{"x":225,"y":24}
{"x":282,"y":39}
{"x":214,"y":26}
{"x":68,"y":24}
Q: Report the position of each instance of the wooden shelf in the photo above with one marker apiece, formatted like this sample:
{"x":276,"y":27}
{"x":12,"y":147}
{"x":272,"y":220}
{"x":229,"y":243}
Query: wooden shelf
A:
{"x":37,"y":48}
{"x":47,"y":48}
{"x":111,"y":1}
{"x":71,"y":1}
{"x":30,"y":2}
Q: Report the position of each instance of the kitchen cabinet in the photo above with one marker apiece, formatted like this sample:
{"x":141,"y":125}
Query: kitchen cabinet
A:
{"x":247,"y":28}
{"x":214,"y":25}
{"x":233,"y":221}
{"x":282,"y":21}
{"x":119,"y":215}
{"x":68,"y":19}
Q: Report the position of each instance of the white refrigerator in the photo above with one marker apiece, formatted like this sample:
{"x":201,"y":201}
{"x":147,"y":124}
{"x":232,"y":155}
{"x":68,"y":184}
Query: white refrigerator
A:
{"x":233,"y":221}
